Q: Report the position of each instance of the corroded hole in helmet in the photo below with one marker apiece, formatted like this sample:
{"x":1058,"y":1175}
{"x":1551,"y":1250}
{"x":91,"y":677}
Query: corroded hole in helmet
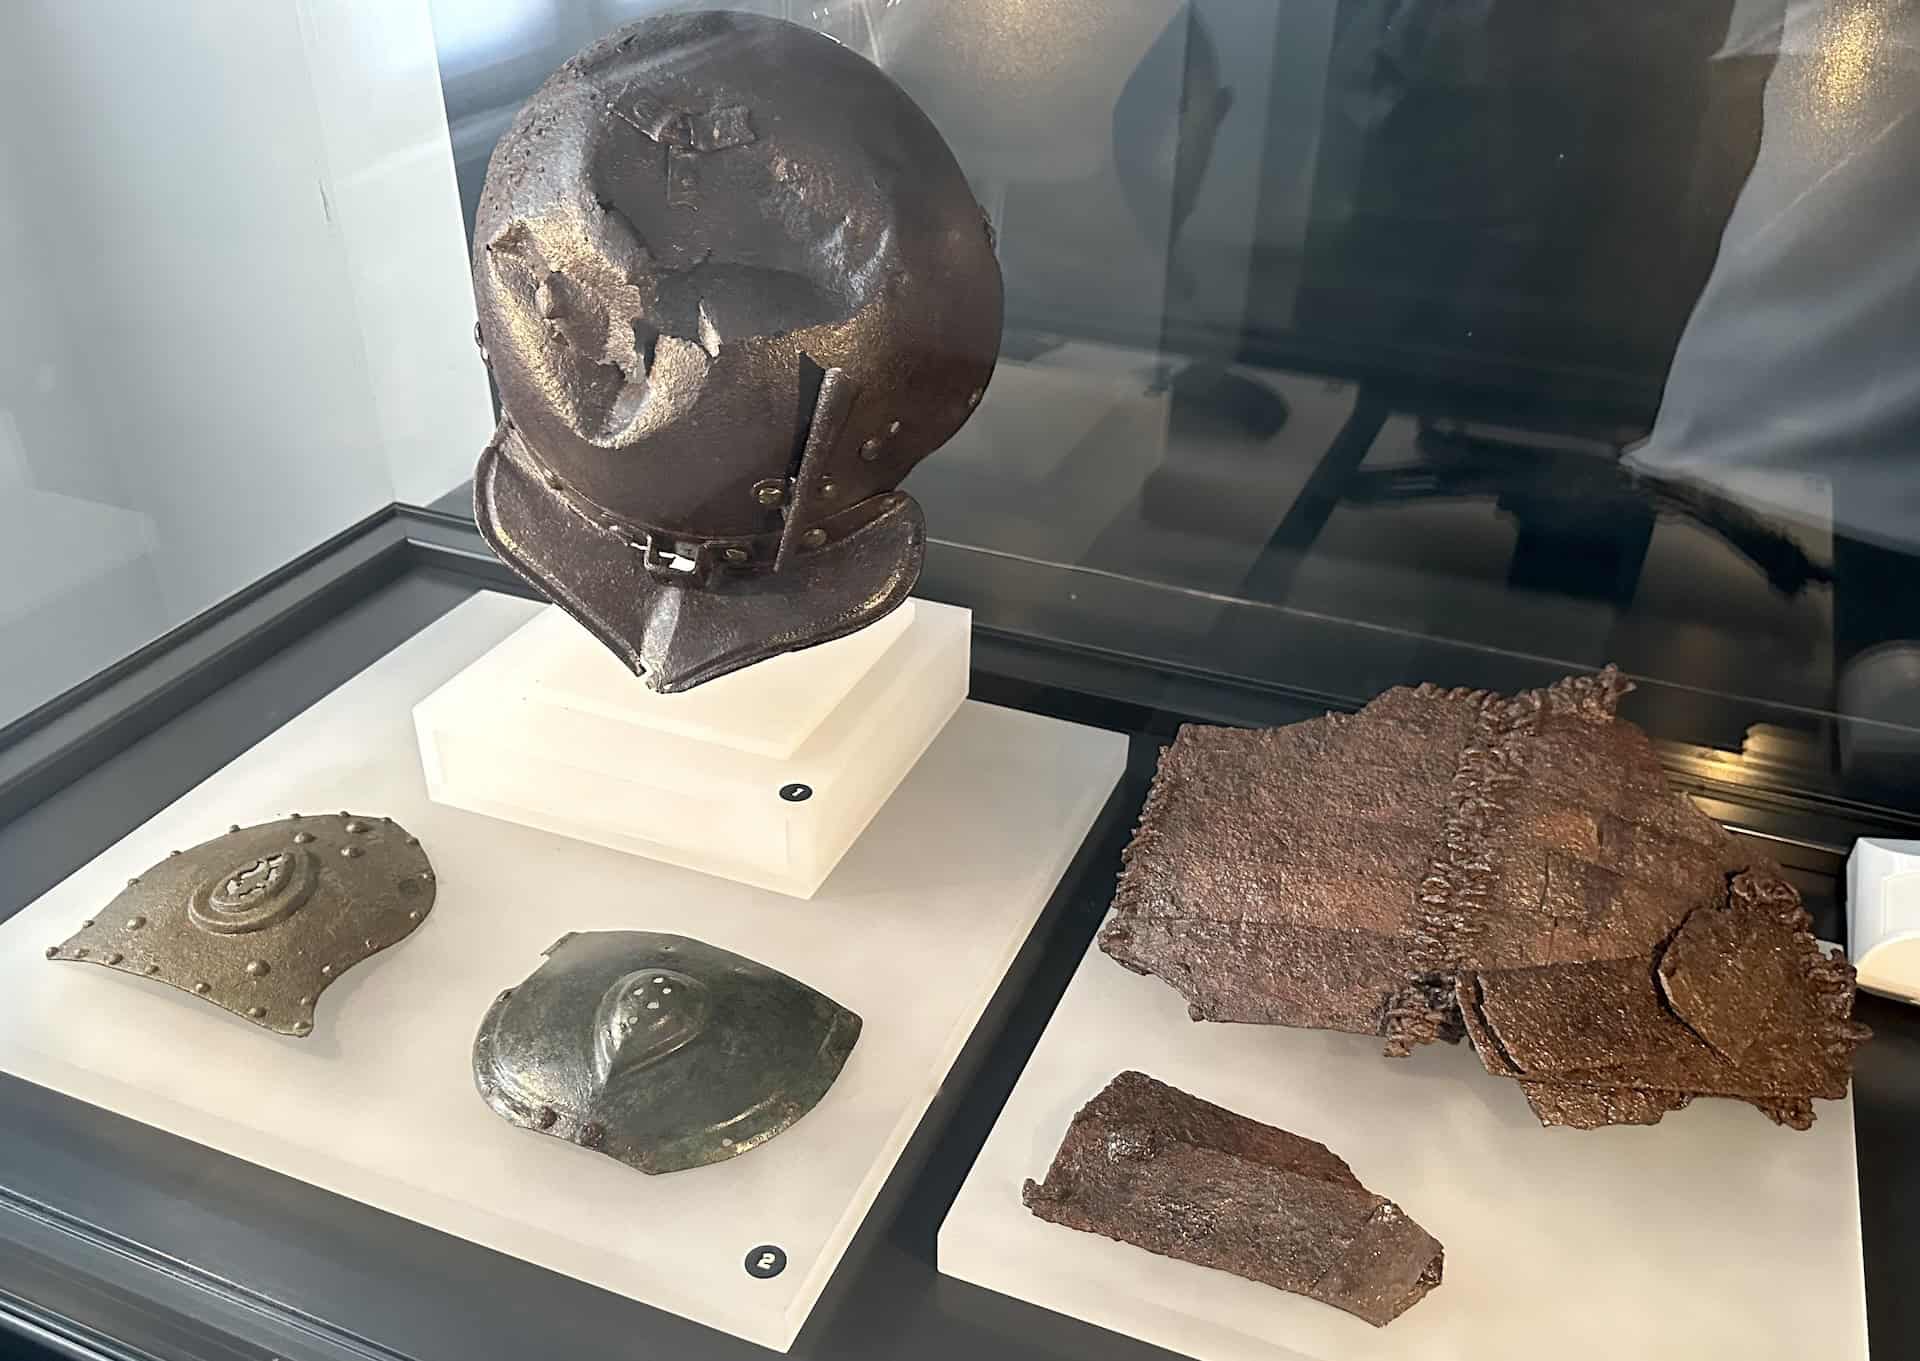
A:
{"x":732,"y":286}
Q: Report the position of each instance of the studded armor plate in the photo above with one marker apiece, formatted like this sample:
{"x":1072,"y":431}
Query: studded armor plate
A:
{"x":732,"y":286}
{"x":260,"y":920}
{"x":659,"y":1050}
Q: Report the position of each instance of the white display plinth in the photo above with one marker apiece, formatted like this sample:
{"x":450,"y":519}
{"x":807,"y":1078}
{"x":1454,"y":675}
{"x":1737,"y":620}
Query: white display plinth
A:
{"x":1883,"y":916}
{"x":1712,"y":1234}
{"x":915,"y":933}
{"x":549,"y":729}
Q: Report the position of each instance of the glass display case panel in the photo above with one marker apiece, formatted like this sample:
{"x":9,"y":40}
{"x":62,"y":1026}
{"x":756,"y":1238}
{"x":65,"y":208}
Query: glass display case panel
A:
{"x":1511,"y":339}
{"x":239,"y":320}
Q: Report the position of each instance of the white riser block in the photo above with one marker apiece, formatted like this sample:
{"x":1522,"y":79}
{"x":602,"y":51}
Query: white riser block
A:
{"x":550,"y":731}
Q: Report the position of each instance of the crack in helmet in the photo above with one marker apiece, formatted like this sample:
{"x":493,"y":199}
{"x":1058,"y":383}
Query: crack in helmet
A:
{"x":732,"y":287}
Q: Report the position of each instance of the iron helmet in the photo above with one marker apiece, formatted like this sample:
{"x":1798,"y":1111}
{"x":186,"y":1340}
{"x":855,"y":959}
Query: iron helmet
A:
{"x":732,"y":286}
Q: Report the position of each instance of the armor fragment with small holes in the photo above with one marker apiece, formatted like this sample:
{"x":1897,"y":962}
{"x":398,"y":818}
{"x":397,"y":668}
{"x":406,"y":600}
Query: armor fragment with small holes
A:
{"x":258,"y":921}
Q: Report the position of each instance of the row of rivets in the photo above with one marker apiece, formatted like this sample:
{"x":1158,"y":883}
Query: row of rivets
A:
{"x":258,"y":968}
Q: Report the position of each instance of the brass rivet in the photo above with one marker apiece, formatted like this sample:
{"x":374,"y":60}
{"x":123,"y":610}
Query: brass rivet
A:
{"x":770,"y":492}
{"x":234,"y":828}
{"x":173,"y":853}
{"x":293,"y":817}
{"x":85,"y":924}
{"x":813,"y":538}
{"x":870,"y":449}
{"x":131,"y":882}
{"x":52,"y":950}
{"x":302,"y":838}
{"x":352,"y":852}
{"x":326,"y":971}
{"x":973,"y":398}
{"x":115,"y":957}
{"x":545,"y":1117}
{"x":302,"y":1027}
{"x":414,"y":915}
{"x":258,"y":968}
{"x":735,"y":554}
{"x":369,"y":943}
{"x":306,"y":1001}
{"x":257,"y":1013}
{"x":828,"y":488}
{"x":203,"y":988}
{"x":79,"y":952}
{"x":135,"y":922}
{"x":893,"y":427}
{"x":413,"y":841}
{"x":553,"y":481}
{"x":152,"y":968}
{"x":356,"y":826}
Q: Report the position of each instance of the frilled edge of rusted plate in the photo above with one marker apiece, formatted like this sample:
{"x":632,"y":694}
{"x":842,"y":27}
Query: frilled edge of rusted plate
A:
{"x":259,"y":921}
{"x":1150,"y":1165}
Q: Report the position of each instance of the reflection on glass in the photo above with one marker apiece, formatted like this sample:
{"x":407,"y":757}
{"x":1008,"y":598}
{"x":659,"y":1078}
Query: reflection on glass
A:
{"x":1531,"y":329}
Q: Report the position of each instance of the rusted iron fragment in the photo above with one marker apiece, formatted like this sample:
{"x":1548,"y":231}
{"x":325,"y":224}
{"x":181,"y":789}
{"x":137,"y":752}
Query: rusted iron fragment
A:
{"x":1149,"y":1165}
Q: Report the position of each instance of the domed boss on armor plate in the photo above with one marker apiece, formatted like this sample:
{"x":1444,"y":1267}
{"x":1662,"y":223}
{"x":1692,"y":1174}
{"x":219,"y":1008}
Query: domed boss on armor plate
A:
{"x":732,"y":286}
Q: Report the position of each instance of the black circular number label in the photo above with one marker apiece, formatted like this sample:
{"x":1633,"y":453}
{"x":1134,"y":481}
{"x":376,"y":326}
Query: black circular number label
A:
{"x":766,"y":1262}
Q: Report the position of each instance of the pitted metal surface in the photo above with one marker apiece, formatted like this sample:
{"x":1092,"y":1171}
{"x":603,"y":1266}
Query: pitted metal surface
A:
{"x":658,"y":1050}
{"x":261,"y":920}
{"x":732,"y":286}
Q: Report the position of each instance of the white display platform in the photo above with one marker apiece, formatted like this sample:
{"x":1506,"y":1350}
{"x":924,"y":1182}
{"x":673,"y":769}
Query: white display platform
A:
{"x":1712,"y":1234}
{"x":1883,"y":916}
{"x":914,"y":932}
{"x":551,"y":730}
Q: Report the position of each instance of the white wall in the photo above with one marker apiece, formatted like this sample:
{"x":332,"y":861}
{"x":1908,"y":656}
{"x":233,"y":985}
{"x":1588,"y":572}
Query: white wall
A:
{"x":234,"y":310}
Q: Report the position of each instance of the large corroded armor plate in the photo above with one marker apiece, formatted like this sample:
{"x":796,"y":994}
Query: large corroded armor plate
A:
{"x":732,"y":286}
{"x":1512,"y":868}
